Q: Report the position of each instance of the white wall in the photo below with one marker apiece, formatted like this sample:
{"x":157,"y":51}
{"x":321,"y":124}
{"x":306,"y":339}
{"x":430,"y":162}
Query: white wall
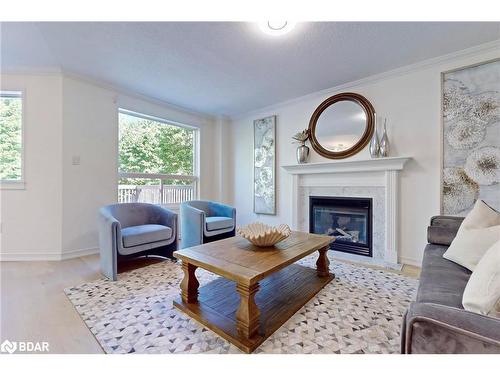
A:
{"x":55,"y":216}
{"x":224,"y":163}
{"x":410,"y":98}
{"x":31,"y":218}
{"x":90,"y":132}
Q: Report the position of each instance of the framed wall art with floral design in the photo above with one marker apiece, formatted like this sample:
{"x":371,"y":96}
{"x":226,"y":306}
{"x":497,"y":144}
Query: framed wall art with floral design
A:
{"x":264,"y":158}
{"x":471,"y":137}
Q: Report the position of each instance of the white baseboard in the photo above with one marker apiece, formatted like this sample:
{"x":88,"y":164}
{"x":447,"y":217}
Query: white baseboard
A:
{"x":29,"y":257}
{"x":360,"y":259}
{"x":70,"y":254}
{"x":411,"y":262}
{"x":35,"y":257}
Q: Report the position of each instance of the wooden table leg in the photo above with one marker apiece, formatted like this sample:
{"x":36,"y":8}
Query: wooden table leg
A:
{"x":247,"y":316}
{"x":189,"y":284}
{"x":322,"y":263}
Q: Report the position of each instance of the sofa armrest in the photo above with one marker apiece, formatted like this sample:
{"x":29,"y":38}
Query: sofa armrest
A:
{"x":433,"y":328}
{"x":443,"y":229}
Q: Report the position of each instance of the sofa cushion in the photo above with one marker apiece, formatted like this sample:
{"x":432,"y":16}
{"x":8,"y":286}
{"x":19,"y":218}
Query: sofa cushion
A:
{"x":219,"y":222}
{"x":142,"y":234}
{"x":482,"y":293}
{"x":441,"y":281}
{"x":479,"y":230}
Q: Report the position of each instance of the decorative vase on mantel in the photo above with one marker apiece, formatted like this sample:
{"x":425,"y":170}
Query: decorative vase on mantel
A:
{"x":302,"y":149}
{"x":375,"y":143}
{"x":384,"y":142}
{"x":302,"y":154}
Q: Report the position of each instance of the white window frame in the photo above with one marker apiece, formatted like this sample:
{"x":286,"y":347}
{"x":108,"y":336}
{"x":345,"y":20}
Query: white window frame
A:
{"x":194,"y":179}
{"x":17,"y":184}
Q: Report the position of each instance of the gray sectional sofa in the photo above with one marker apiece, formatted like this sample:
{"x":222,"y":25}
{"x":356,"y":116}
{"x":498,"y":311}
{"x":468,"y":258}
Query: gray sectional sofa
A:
{"x":437,"y":322}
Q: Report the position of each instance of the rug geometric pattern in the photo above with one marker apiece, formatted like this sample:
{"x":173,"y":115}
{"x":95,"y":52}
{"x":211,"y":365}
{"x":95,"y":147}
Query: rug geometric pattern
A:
{"x":358,"y":312}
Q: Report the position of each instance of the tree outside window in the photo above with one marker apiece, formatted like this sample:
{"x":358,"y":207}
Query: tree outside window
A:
{"x":11,"y":145}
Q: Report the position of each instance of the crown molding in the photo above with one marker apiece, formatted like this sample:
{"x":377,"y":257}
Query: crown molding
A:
{"x":57,"y":71}
{"x":492,"y":46}
{"x":39,"y":71}
{"x":124,"y":91}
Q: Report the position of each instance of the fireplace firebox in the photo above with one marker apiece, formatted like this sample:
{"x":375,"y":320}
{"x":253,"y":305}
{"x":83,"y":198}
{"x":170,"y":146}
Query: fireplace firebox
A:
{"x":348,"y":219}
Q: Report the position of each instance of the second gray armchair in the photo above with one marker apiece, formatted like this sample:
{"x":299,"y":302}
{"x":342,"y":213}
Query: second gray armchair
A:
{"x":206,"y":221}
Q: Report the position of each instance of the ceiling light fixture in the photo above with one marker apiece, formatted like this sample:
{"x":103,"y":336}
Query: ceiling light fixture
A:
{"x":276,"y":27}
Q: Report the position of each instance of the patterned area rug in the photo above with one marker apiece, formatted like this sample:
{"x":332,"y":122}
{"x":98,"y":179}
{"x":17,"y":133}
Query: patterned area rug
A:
{"x":358,"y":312}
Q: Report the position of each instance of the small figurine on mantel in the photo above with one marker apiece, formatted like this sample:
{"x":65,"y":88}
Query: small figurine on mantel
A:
{"x":302,"y":150}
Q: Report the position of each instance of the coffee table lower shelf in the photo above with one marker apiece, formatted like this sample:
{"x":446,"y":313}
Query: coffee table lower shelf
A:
{"x":280,"y":296}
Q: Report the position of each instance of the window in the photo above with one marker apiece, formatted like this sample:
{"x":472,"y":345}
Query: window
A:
{"x":11,"y":137}
{"x":157,"y":160}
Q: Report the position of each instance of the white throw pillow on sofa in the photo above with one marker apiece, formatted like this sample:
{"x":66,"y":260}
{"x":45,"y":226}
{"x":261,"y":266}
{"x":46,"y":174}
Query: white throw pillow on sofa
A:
{"x":482,"y":293}
{"x":479,"y":230}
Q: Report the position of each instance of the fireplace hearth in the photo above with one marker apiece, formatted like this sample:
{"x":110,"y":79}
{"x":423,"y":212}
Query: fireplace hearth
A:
{"x":348,"y":219}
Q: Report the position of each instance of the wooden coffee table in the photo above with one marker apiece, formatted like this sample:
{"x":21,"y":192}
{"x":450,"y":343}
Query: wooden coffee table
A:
{"x":230,"y":306}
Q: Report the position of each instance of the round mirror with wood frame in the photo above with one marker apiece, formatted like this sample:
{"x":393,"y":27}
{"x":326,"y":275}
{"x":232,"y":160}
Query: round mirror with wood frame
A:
{"x":342,"y":125}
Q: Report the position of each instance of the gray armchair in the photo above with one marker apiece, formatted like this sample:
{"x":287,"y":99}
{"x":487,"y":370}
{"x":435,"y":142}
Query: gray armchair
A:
{"x":130,"y":230}
{"x":205,"y":221}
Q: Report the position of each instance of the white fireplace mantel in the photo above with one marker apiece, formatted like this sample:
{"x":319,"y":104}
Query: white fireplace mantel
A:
{"x":341,"y":166}
{"x":379,"y":172}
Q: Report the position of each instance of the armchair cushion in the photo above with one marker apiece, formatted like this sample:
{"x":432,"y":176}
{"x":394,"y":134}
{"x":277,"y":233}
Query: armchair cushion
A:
{"x":143,"y":234}
{"x":219,"y":222}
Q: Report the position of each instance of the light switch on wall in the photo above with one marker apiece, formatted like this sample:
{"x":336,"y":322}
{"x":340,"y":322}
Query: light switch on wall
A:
{"x":76,"y":160}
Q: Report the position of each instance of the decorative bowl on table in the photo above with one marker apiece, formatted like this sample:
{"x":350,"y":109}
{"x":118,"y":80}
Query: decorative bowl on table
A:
{"x":263,"y":235}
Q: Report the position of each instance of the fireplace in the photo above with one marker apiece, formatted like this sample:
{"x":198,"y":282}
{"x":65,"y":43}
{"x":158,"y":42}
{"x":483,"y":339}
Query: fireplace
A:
{"x":347,"y":219}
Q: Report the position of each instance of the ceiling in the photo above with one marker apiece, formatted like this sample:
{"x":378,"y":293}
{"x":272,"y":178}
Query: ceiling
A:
{"x":229,"y":68}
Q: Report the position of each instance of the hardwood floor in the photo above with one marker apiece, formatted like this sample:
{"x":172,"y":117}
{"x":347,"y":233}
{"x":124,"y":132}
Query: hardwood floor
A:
{"x":33,"y":306}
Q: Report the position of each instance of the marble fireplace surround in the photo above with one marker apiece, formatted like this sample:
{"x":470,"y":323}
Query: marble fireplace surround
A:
{"x":371,"y":178}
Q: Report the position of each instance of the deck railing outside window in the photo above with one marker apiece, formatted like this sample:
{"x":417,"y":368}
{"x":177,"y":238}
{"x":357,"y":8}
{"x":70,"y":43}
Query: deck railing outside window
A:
{"x":158,"y":189}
